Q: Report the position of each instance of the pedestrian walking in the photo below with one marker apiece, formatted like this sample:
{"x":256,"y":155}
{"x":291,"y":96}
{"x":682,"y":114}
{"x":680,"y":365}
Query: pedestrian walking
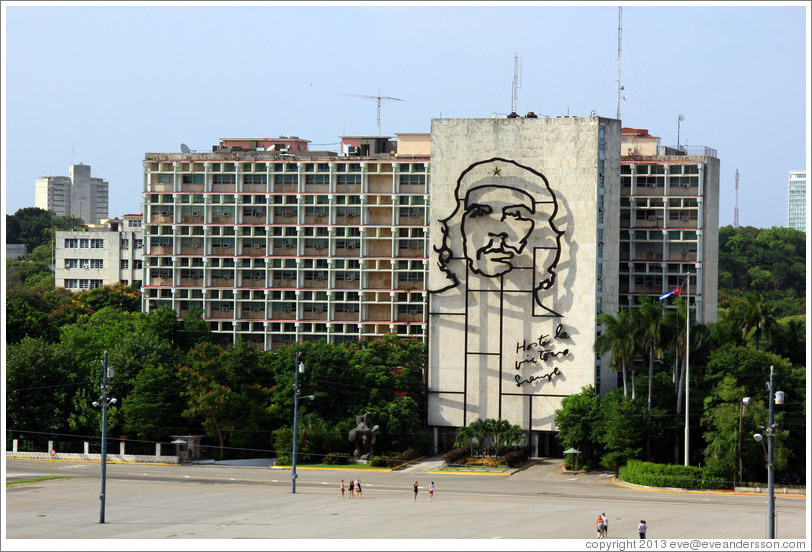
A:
{"x":415,"y":491}
{"x":352,"y":488}
{"x":431,"y":490}
{"x":341,"y":489}
{"x":605,"y":525}
{"x":599,"y":526}
{"x":358,"y":488}
{"x":642,"y":528}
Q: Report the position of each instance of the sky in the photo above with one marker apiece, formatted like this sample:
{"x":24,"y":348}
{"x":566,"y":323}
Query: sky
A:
{"x":104,"y":84}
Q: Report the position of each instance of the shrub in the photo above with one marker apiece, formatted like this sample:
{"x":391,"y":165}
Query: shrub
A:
{"x":669,"y":475}
{"x":516,"y":458}
{"x":379,"y":462}
{"x":456,"y":456}
{"x":284,"y":460}
{"x":338,"y":458}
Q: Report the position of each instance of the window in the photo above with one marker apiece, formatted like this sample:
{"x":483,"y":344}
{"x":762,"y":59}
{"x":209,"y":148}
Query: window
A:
{"x":125,"y":264}
{"x":138,"y":264}
{"x":97,"y":244}
{"x":97,"y":263}
{"x":71,"y":243}
{"x":259,"y":179}
{"x":125,"y":243}
{"x":72,"y":283}
{"x":84,"y":243}
{"x":71,"y":263}
{"x":138,"y":244}
{"x":413,"y":180}
{"x":348,"y":179}
{"x":317,"y":179}
{"x":224,"y":179}
{"x":192,"y":179}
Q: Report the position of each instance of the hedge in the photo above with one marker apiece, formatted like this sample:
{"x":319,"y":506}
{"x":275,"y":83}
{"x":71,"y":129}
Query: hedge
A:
{"x":670,"y":475}
{"x":456,"y":456}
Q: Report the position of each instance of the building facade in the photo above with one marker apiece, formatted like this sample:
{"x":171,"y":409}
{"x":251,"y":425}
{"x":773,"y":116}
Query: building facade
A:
{"x":77,"y":195}
{"x":106,"y":253}
{"x":796,"y":200}
{"x":523,"y":257}
{"x":277,"y":243}
{"x":669,"y":222}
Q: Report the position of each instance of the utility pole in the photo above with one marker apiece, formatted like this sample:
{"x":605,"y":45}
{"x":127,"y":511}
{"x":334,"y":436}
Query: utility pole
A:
{"x":619,"y":43}
{"x":104,"y":404}
{"x":770,"y":460}
{"x":299,"y":367}
{"x":687,"y":363}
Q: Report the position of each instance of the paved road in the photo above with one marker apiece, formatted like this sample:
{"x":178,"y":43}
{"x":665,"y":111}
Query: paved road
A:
{"x":216,"y":501}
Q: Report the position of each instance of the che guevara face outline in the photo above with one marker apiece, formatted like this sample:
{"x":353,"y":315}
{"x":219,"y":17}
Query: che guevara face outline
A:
{"x":496,"y":224}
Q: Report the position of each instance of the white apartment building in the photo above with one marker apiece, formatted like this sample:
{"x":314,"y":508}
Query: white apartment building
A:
{"x":276,"y":243}
{"x":796,"y":200}
{"x":77,"y":195}
{"x":106,"y":253}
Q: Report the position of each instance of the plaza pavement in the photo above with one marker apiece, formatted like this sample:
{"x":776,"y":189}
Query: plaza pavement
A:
{"x":249,"y":502}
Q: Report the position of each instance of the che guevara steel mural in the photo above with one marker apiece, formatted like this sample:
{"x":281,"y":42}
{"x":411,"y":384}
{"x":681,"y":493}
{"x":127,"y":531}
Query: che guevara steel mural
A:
{"x":499,"y":259}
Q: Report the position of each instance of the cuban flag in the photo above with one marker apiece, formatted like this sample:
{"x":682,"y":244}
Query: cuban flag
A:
{"x":673,"y":293}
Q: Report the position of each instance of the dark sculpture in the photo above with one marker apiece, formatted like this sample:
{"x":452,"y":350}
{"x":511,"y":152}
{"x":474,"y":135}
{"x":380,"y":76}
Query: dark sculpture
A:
{"x":364,"y":436}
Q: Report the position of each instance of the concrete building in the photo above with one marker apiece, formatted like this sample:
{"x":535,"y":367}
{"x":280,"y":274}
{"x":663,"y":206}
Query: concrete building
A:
{"x":796,"y":200}
{"x":524,"y":256}
{"x":669,"y":221}
{"x":277,"y":243}
{"x":77,"y":195}
{"x":106,"y":253}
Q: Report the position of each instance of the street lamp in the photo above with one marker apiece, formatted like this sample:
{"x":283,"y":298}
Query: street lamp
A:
{"x":776,"y":397}
{"x":104,"y":403}
{"x":742,"y":408}
{"x":300,"y":367}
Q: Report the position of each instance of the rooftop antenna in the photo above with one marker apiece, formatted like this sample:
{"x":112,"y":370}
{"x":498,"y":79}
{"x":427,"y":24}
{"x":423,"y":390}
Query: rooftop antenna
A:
{"x":620,"y":87}
{"x":736,"y":208}
{"x":517,"y":81}
{"x":378,"y":98}
{"x":680,"y":118}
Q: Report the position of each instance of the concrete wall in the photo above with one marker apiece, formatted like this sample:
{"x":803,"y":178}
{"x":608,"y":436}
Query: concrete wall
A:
{"x":77,"y":457}
{"x":511,"y":332}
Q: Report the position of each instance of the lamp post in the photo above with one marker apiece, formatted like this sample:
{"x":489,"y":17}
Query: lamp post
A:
{"x":742,"y":408}
{"x":776,"y":397}
{"x":104,"y":404}
{"x":300,"y":367}
{"x":687,"y":359}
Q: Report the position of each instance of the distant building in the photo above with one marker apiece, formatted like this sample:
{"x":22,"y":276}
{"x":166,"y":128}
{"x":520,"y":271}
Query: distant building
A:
{"x":106,"y":253}
{"x":796,"y":200}
{"x":16,"y":250}
{"x":669,"y":221}
{"x":77,"y":195}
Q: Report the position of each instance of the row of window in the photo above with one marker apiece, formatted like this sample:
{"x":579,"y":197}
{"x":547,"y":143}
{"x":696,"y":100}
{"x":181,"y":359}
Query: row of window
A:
{"x":286,"y":179}
{"x":74,"y":283}
{"x":84,"y":243}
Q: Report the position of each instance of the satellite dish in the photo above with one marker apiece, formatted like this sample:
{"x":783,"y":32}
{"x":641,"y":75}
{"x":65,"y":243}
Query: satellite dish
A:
{"x":185,"y":149}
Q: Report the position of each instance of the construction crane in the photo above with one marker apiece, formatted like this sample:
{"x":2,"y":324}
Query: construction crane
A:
{"x":736,"y":207}
{"x":377,"y":98}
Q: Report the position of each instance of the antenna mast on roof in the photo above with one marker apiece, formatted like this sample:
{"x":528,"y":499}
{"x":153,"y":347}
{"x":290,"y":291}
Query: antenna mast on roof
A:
{"x":736,"y":208}
{"x":619,"y":42}
{"x":517,"y":81}
{"x":378,"y":98}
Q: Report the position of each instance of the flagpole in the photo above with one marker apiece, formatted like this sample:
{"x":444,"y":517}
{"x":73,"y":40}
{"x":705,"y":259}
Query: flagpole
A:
{"x":687,"y":353}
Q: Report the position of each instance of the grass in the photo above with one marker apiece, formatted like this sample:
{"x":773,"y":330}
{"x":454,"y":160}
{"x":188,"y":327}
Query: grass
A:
{"x":333,"y":466}
{"x":34,"y":480}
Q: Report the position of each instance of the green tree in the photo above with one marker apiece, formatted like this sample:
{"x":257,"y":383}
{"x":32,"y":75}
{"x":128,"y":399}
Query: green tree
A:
{"x":41,"y":380}
{"x":578,"y":423}
{"x":152,"y":410}
{"x":623,"y":428}
{"x":755,"y":316}
{"x":648,"y":321}
{"x":617,"y":336}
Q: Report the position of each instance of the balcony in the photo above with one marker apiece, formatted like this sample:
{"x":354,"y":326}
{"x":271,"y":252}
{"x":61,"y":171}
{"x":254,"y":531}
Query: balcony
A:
{"x":223,"y":188}
{"x":251,"y":283}
{"x":221,"y":314}
{"x":192,"y":282}
{"x":351,"y":316}
{"x":191,"y":251}
{"x":223,"y":219}
{"x":191,"y":218}
{"x":252,"y":314}
{"x":162,"y":218}
{"x":254,"y":251}
{"x":253,"y":220}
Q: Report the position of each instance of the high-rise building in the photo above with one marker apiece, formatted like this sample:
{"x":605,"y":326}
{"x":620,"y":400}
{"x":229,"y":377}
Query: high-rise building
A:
{"x":524,"y":257}
{"x":669,"y":221}
{"x":104,"y":254}
{"x":796,"y":200}
{"x":77,"y":195}
{"x":277,"y":243}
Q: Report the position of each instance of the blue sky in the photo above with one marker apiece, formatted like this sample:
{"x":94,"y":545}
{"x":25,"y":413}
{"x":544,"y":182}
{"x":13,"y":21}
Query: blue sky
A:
{"x":103,"y":84}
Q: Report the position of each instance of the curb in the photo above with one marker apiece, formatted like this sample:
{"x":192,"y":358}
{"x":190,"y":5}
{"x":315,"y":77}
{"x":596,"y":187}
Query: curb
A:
{"x":620,"y":483}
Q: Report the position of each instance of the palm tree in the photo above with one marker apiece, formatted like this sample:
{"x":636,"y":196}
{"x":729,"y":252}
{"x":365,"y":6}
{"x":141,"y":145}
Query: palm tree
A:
{"x":617,"y":336}
{"x":648,"y":321}
{"x":755,"y":315}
